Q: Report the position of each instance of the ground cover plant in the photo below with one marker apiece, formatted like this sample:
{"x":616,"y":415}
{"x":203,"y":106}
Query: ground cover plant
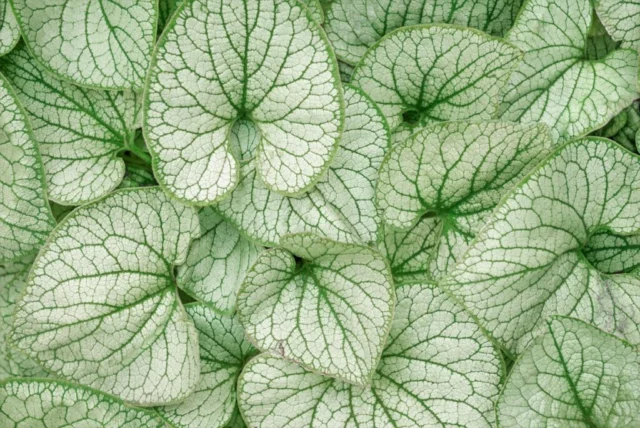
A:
{"x":319,"y":213}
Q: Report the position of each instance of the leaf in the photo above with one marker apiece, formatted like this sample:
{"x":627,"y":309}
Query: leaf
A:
{"x":315,"y":10}
{"x":438,"y":369}
{"x":216,"y":263}
{"x":80,"y":131}
{"x":25,"y":217}
{"x":166,"y":9}
{"x":346,"y":71}
{"x":452,"y":175}
{"x":555,"y":84}
{"x":223,"y":350}
{"x":621,"y":18}
{"x":447,"y":73}
{"x":222,"y":61}
{"x":13,"y":278}
{"x":101,"y":307}
{"x":53,"y":404}
{"x":102,"y":44}
{"x":9,"y":30}
{"x":355,"y":25}
{"x":340,"y":206}
{"x":329,"y":310}
{"x":534,"y":257}
{"x":574,"y":375}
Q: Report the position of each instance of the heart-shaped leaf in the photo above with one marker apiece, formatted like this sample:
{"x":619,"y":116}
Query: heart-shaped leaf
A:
{"x":219,"y":62}
{"x":544,"y":250}
{"x":101,"y":307}
{"x":555,"y":84}
{"x":328,"y":310}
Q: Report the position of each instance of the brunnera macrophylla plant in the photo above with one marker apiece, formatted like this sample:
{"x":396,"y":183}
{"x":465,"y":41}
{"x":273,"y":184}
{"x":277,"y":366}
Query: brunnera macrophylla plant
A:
{"x":319,"y":213}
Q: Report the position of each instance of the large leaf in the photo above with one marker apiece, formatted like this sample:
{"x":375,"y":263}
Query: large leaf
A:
{"x":329,"y":310}
{"x":431,"y":73}
{"x":53,"y":404}
{"x":80,"y":131}
{"x":543,"y":251}
{"x":9,"y":30}
{"x":220,"y":62}
{"x":439,"y":186}
{"x":340,"y":206}
{"x":573,"y":376}
{"x":438,"y":370}
{"x":354,"y":25}
{"x":621,"y":18}
{"x":555,"y":84}
{"x":101,"y":308}
{"x":216,"y":263}
{"x":25,"y":217}
{"x":223,"y":351}
{"x":103,"y":44}
{"x":13,"y":279}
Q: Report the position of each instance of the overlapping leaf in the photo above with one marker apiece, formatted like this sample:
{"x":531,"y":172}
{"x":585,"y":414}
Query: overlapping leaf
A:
{"x":354,"y":25}
{"x":573,"y":376}
{"x":80,"y":131}
{"x":104,"y":44}
{"x":53,"y":404}
{"x":216,"y":263}
{"x":329,"y":310}
{"x":223,"y":61}
{"x":438,"y":369}
{"x":548,"y":248}
{"x":101,"y":307}
{"x":621,"y":18}
{"x":340,"y":206}
{"x":223,"y":350}
{"x":9,"y":30}
{"x":439,"y":186}
{"x":446,"y":73}
{"x":25,"y":217}
{"x":555,"y":84}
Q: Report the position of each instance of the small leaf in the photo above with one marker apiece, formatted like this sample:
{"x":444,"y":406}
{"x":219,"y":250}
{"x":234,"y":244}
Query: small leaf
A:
{"x":216,"y":263}
{"x":573,"y":375}
{"x":223,"y":351}
{"x":353,"y":26}
{"x":555,"y":84}
{"x":621,"y":18}
{"x":438,"y":369}
{"x":340,"y":206}
{"x":447,"y":73}
{"x":9,"y":30}
{"x":101,"y":44}
{"x":25,"y":217}
{"x":54,"y":404}
{"x":329,"y":310}
{"x":535,"y":256}
{"x":454,"y":173}
{"x":80,"y":131}
{"x":219,"y":62}
{"x":101,"y":307}
{"x":13,"y":278}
